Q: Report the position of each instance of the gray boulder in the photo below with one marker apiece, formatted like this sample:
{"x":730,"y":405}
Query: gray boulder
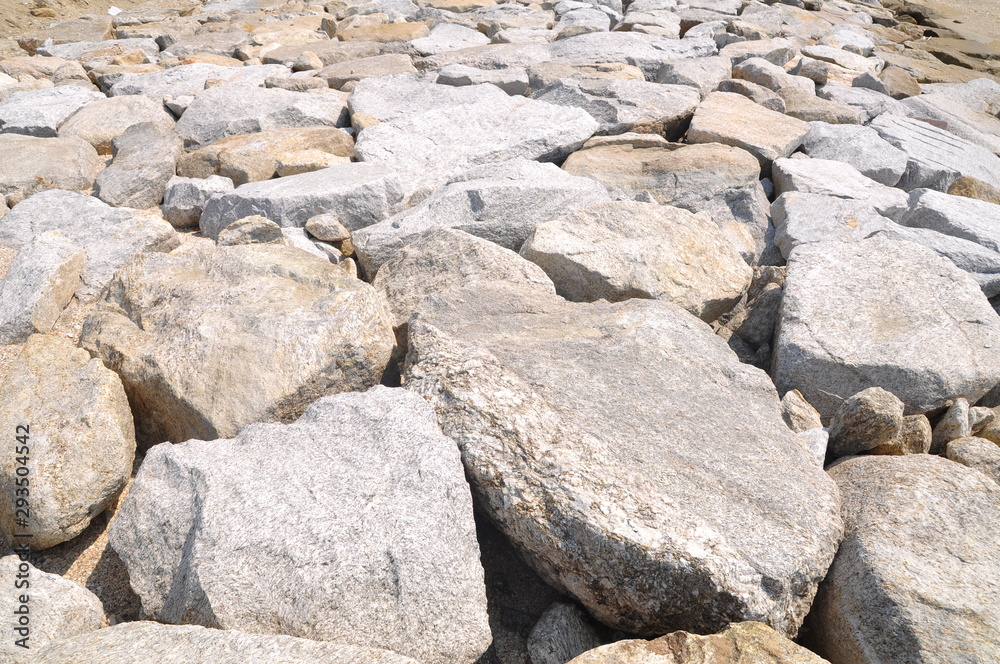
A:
{"x":981,"y":263}
{"x":39,"y":283}
{"x":132,"y":642}
{"x":869,"y":103}
{"x":184,"y":198}
{"x":703,"y":74}
{"x":647,"y":52}
{"x":804,"y":218}
{"x":108,"y":236}
{"x":449,"y":37}
{"x":39,"y":164}
{"x":977,"y":453}
{"x":561,"y":633}
{"x":190,"y":79}
{"x":501,"y":203}
{"x":370,"y":539}
{"x":954,"y":424}
{"x":958,"y":216}
{"x":81,"y":440}
{"x":616,"y":251}
{"x":879,"y":313}
{"x":41,"y":112}
{"x":101,"y":121}
{"x":916,"y":578}
{"x":362,"y":194}
{"x":556,"y":404}
{"x":870,"y":418}
{"x":837,"y":179}
{"x":145,"y":158}
{"x":513,"y":81}
{"x":861,"y":147}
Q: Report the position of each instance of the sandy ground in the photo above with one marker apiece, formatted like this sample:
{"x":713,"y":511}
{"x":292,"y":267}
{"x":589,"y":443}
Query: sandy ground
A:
{"x":16,"y":18}
{"x":978,"y":20}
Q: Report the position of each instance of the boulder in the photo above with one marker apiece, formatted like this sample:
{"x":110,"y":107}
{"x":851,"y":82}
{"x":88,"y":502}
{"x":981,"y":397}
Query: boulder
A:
{"x":185,"y":198}
{"x":202,"y":338}
{"x":810,"y":108}
{"x":108,"y":236}
{"x":252,"y":230}
{"x":870,"y":418}
{"x":130,"y":642}
{"x":544,"y":74}
{"x":563,"y":632}
{"x":625,"y":249}
{"x":372,"y":541}
{"x":916,"y":577}
{"x":958,"y":216}
{"x":145,"y":158}
{"x":870,"y":103}
{"x":99,"y":122}
{"x":623,"y":106}
{"x":803,"y":218}
{"x":190,"y":79}
{"x":978,"y":454}
{"x":361,"y":194}
{"x":953,"y":424}
{"x":222,"y":111}
{"x":880,"y":313}
{"x":531,"y":388}
{"x":647,"y":52}
{"x":837,"y":179}
{"x":448,"y":37}
{"x":501,"y":203}
{"x":354,"y":70}
{"x":732,"y":119}
{"x":971,"y":187}
{"x":757,"y":93}
{"x":513,"y":81}
{"x":703,"y":74}
{"x":37,"y":164}
{"x":41,"y":112}
{"x":81,"y":441}
{"x":771,"y":76}
{"x":861,"y":147}
{"x":914,"y":437}
{"x":798,"y":414}
{"x":39,"y":283}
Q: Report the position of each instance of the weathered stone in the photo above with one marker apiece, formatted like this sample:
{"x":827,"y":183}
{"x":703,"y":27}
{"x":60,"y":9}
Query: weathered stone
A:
{"x":390,"y":64}
{"x":861,"y":147}
{"x":502,"y":203}
{"x":720,"y":180}
{"x":624,"y":106}
{"x":739,"y":642}
{"x":37,"y":164}
{"x":373,"y":533}
{"x":128,"y":642}
{"x":546,"y":439}
{"x":59,"y":609}
{"x":838,"y":179}
{"x":41,"y":112}
{"x":732,"y":119}
{"x":109,"y":236}
{"x":180,"y":378}
{"x":971,"y":187}
{"x":980,"y":417}
{"x":915,"y":578}
{"x":81,"y":440}
{"x":798,"y":414}
{"x":190,"y":79}
{"x":101,"y":121}
{"x":966,"y":218}
{"x":758,"y":93}
{"x":704,"y":74}
{"x":977,"y":453}
{"x":914,"y":437}
{"x":936,"y":158}
{"x":222,"y":112}
{"x":870,"y":418}
{"x":887,"y":314}
{"x":251,"y":230}
{"x":185,"y":198}
{"x":562,"y":633}
{"x":385,"y":32}
{"x":647,"y":52}
{"x":816,"y":441}
{"x":513,"y":81}
{"x":771,"y":76}
{"x":959,"y":115}
{"x":808,"y":107}
{"x":38,"y":285}
{"x":954,"y":424}
{"x":851,"y":38}
{"x":362,"y":194}
{"x":145,"y":158}
{"x":616,"y":251}
{"x":544,"y":74}
{"x":803,"y":218}
{"x":899,"y":83}
{"x":448,"y":37}
{"x":216,"y":43}
{"x":327,"y":228}
{"x":776,"y":51}
{"x":871,"y":104}
{"x":254,"y":157}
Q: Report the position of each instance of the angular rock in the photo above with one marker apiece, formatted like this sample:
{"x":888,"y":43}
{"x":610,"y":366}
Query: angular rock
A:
{"x":966,"y":218}
{"x":771,"y":76}
{"x":449,"y":37}
{"x":802,"y":218}
{"x":978,"y":454}
{"x":373,"y":531}
{"x":914,"y":437}
{"x":798,"y":414}
{"x":758,"y":93}
{"x":221,"y":112}
{"x":255,"y":157}
{"x":626,"y":249}
{"x":361,"y":194}
{"x":109,"y":236}
{"x":971,"y":187}
{"x":816,"y":441}
{"x":101,"y":121}
{"x":732,"y":119}
{"x":37,"y":164}
{"x":81,"y":440}
{"x":810,"y":108}
{"x":530,"y":386}
{"x":201,"y":338}
{"x":739,"y":642}
{"x":378,"y":66}
{"x":879,"y":313}
{"x":861,"y":147}
{"x":704,"y":74}
{"x":977,"y":125}
{"x":41,"y":112}
{"x":870,"y":418}
{"x":251,"y":230}
{"x":899,"y":83}
{"x":190,"y":79}
{"x":145,"y":158}
{"x":562,"y":633}
{"x":720,"y":180}
{"x":776,"y":51}
{"x":935,"y":157}
{"x":185,"y":198}
{"x":647,"y":52}
{"x":501,"y":203}
{"x":871,"y":104}
{"x":513,"y":81}
{"x":544,"y":74}
{"x":37,"y":287}
{"x":127,"y":643}
{"x":837,"y":179}
{"x":916,"y":578}
{"x":624,"y":106}
{"x":953,"y":425}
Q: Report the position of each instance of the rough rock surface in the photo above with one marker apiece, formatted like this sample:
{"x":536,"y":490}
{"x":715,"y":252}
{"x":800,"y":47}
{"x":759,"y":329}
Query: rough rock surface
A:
{"x":563,"y":632}
{"x":184,"y":198}
{"x":99,"y":122}
{"x":41,"y":112}
{"x":36,"y":164}
{"x":81,"y":439}
{"x":838,"y":179}
{"x":914,"y":437}
{"x":145,"y":158}
{"x":870,"y":418}
{"x":543,"y":440}
{"x":861,"y":147}
{"x":616,"y":251}
{"x":372,"y":544}
{"x":195,"y":337}
{"x":978,"y":454}
{"x":916,"y":577}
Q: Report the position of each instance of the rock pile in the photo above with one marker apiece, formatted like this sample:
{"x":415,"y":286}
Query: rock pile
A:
{"x":478,"y":332}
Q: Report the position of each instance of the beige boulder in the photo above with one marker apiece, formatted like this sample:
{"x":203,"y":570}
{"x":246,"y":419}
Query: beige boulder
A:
{"x":101,"y":121}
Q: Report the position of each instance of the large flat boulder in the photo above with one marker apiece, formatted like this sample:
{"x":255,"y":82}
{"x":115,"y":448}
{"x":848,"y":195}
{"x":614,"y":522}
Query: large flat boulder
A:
{"x":370,"y":539}
{"x":145,"y":158}
{"x":958,"y":216}
{"x":41,"y":112}
{"x":211,"y":339}
{"x":99,"y":122}
{"x":190,"y":79}
{"x":647,"y":52}
{"x":38,"y":164}
{"x":619,"y":447}
{"x":917,"y":577}
{"x":838,"y":179}
{"x":881,"y":313}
